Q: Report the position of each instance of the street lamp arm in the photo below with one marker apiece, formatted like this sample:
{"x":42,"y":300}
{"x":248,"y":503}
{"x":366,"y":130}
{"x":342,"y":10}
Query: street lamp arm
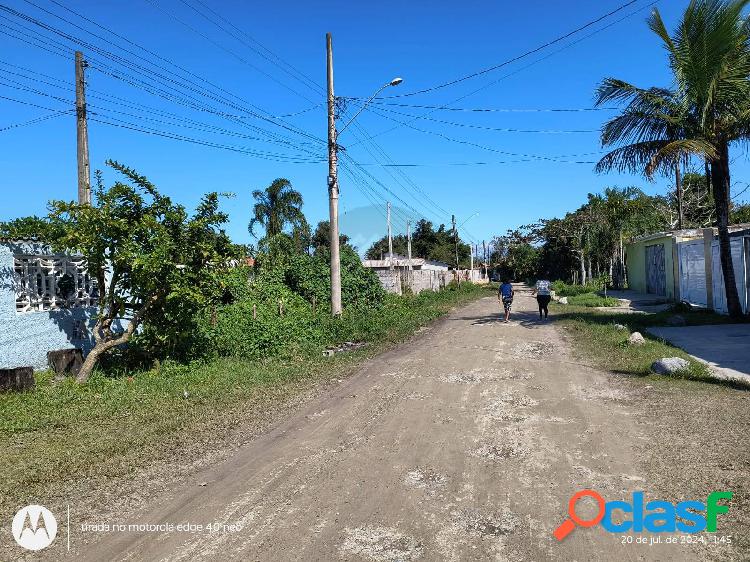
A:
{"x":467,"y":220}
{"x":394,"y":82}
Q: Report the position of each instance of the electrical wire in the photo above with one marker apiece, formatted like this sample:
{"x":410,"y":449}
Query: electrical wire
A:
{"x":522,"y":68}
{"x":496,"y":129}
{"x":36,"y":120}
{"x":518,"y":57}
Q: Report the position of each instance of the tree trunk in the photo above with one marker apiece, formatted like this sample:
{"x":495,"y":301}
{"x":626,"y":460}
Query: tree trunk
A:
{"x":721,"y":186}
{"x":583,"y":267}
{"x":589,"y":270}
{"x":678,"y":189}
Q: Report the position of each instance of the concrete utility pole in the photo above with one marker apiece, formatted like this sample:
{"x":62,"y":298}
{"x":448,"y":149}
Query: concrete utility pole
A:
{"x":455,"y":240}
{"x":390,"y":240}
{"x":471,"y":267}
{"x":333,"y":188}
{"x":84,"y":173}
{"x":484,"y":253}
{"x":408,"y":242}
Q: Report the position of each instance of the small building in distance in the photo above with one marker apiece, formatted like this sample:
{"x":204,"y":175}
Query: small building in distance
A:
{"x":403,"y":262}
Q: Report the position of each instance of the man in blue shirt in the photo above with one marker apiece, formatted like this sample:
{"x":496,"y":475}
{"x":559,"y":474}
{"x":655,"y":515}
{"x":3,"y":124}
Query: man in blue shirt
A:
{"x":505,"y":294}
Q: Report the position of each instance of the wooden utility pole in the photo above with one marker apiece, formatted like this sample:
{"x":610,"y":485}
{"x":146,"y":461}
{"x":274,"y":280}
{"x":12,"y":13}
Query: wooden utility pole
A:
{"x":333,"y":187}
{"x":390,"y":240}
{"x":84,"y":174}
{"x":408,"y":242}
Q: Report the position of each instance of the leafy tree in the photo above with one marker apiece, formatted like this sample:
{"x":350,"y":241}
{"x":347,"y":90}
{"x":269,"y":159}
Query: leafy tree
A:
{"x":709,"y":55}
{"x":154,"y":264}
{"x":276,"y":207}
{"x":741,"y":214}
{"x":310,"y":277}
{"x":33,"y":227}
{"x":426,"y":242}
{"x":321,"y":238}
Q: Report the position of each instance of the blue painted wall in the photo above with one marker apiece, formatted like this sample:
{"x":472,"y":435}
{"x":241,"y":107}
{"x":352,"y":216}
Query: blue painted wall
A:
{"x":25,"y":338}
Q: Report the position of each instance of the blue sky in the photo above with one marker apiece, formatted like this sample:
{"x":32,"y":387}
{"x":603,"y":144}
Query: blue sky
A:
{"x":523,"y":176}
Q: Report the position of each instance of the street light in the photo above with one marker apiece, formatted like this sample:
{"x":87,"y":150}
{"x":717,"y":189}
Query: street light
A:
{"x":333,"y":184}
{"x":467,"y":220}
{"x":395,"y":82}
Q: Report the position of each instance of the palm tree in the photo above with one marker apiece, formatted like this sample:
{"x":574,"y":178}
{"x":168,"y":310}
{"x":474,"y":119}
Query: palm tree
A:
{"x":707,"y":110}
{"x":277,"y":206}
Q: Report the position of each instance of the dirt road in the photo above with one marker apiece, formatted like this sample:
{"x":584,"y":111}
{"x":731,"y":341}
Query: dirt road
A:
{"x":465,"y":444}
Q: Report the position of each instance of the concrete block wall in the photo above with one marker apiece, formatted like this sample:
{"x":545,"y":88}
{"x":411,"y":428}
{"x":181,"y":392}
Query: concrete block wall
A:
{"x":25,"y":338}
{"x":418,"y":280}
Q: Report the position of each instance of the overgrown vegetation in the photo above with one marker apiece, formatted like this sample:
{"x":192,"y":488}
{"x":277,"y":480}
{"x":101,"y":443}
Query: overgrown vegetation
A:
{"x":426,"y":242}
{"x":563,"y":289}
{"x":114,"y":422}
{"x":153,"y":265}
{"x":592,"y":300}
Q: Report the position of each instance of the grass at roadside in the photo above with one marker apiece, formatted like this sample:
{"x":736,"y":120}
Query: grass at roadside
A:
{"x":596,"y":338}
{"x":114,"y":425}
{"x":592,"y":300}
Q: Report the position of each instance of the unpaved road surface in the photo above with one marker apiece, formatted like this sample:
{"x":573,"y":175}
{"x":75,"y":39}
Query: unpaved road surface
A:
{"x":464,"y":444}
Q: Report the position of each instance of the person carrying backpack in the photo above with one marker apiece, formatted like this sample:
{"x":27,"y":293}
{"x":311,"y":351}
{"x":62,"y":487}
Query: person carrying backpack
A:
{"x":505,"y":294}
{"x":542,"y":290}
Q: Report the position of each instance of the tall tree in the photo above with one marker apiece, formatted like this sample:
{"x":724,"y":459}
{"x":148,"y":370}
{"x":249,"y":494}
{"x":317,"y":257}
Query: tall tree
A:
{"x":276,"y":207}
{"x":153,"y":263}
{"x":707,"y":110}
{"x":321,"y":238}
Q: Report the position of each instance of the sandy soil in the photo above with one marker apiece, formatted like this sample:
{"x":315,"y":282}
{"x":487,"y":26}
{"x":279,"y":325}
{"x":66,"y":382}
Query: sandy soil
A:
{"x":464,"y":444}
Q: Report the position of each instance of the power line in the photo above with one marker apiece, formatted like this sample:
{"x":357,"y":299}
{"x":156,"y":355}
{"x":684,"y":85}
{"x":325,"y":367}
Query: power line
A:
{"x":223,"y":48}
{"x":497,"y":129}
{"x":174,"y":136}
{"x":484,"y":147}
{"x":522,"y":68}
{"x":193,"y":87}
{"x":492,"y":109}
{"x":518,"y":57}
{"x":36,"y":120}
{"x":294,"y":73}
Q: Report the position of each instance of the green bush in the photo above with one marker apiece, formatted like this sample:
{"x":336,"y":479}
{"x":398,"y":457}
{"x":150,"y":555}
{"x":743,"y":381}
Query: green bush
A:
{"x":563,"y":289}
{"x":592,"y":299}
{"x":233,"y":331}
{"x":310,"y":277}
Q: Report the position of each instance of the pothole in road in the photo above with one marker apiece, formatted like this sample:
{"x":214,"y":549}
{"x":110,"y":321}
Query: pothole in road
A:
{"x":507,"y":406}
{"x":533,"y":349}
{"x":425,"y":478}
{"x":381,"y":544}
{"x":489,"y":524}
{"x":460,"y":378}
{"x":500,"y":451}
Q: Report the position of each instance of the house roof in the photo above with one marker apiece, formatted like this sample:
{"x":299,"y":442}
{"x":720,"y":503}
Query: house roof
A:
{"x":691,"y":232}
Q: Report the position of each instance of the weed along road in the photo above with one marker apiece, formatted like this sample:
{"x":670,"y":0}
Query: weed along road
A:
{"x":464,"y":444}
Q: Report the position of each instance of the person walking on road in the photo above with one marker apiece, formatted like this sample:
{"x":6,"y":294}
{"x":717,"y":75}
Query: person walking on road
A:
{"x":505,"y":294}
{"x":542,"y":290}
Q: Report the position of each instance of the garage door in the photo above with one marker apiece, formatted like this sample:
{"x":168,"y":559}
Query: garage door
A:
{"x":692,"y":272}
{"x":656,"y":276}
{"x":738,"y":264}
